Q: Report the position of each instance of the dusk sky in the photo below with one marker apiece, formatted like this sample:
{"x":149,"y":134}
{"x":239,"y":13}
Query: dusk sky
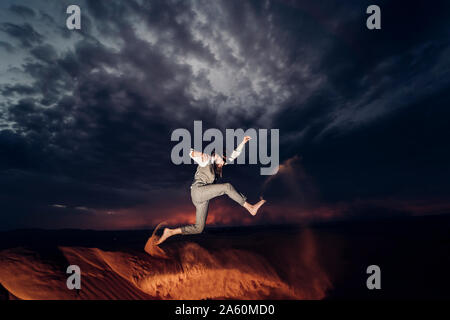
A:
{"x":86,"y":115}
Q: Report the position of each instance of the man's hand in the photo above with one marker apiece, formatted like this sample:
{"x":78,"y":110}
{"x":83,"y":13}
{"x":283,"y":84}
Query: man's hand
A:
{"x":246,"y":139}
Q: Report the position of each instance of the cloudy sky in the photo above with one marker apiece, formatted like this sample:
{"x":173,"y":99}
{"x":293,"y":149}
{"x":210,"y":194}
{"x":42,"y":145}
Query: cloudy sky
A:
{"x":86,"y":115}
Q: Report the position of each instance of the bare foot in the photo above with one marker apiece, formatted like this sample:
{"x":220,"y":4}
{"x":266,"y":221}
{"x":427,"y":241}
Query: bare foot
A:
{"x":254,"y":208}
{"x":166,"y":234}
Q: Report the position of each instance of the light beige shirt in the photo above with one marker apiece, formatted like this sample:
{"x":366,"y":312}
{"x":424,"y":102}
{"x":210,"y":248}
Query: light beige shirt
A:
{"x":206,"y":159}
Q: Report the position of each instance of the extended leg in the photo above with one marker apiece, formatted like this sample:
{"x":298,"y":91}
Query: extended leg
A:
{"x":214,"y":190}
{"x":211,"y":191}
{"x":201,"y":213}
{"x":201,"y":197}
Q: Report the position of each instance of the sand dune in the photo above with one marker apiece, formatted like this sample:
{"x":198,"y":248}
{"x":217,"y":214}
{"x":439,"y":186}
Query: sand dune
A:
{"x":191,"y":272}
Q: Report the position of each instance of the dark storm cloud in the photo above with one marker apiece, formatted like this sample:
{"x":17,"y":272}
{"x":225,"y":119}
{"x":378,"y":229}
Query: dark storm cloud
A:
{"x":369,"y":75}
{"x":110,"y":130}
{"x":25,"y":33}
{"x":7,"y":46}
{"x":373,"y":68}
{"x":90,"y":127}
{"x":363,"y":67}
{"x":45,"y":53}
{"x":18,"y":89}
{"x":46,"y":18}
{"x":22,"y":11}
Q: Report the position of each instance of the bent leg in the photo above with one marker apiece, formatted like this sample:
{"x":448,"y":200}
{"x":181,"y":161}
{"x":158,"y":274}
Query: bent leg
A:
{"x":200,"y":219}
{"x":211,"y":191}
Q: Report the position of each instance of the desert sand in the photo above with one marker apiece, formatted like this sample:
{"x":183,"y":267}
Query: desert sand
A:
{"x":189,"y":271}
{"x":316,"y":262}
